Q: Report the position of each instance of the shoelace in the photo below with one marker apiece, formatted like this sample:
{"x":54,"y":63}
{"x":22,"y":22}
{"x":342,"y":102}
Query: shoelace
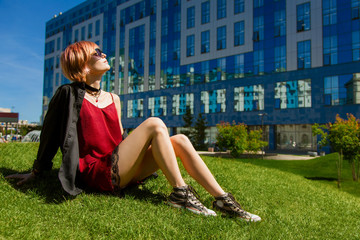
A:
{"x":235,"y":203}
{"x":195,"y":196}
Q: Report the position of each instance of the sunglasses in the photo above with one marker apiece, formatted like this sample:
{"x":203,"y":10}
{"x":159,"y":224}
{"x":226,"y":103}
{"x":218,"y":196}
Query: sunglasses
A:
{"x":98,"y":52}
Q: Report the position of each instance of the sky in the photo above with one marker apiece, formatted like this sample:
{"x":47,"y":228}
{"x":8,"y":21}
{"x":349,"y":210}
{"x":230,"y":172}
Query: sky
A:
{"x":22,"y":47}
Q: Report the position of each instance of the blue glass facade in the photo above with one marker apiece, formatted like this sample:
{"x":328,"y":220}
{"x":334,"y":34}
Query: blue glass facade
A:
{"x":298,"y":63}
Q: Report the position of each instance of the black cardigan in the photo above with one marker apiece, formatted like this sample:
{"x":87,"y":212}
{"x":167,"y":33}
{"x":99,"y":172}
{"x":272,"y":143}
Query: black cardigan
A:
{"x":60,"y":130}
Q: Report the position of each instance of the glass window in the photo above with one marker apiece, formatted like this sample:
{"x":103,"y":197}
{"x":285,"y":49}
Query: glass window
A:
{"x":135,"y":108}
{"x":221,"y":69}
{"x":303,"y":17}
{"x":221,"y":37}
{"x":164,"y":4}
{"x":293,"y":94}
{"x":258,"y":28}
{"x":280,"y":58}
{"x":258,"y":3}
{"x":239,"y":6}
{"x":342,"y":89}
{"x":90,"y":27}
{"x":205,"y":41}
{"x":82,"y":33}
{"x":157,"y":106}
{"x":164,"y":52}
{"x":164,"y":26}
{"x":176,"y":49}
{"x":76,"y":35}
{"x":182,"y":101}
{"x":355,"y":9}
{"x":221,"y":9}
{"x":249,"y":98}
{"x":259,"y":62}
{"x":329,"y":12}
{"x":58,"y":44}
{"x":280,"y":23}
{"x":190,"y":17}
{"x":304,"y":54}
{"x":97,"y":28}
{"x":205,"y":68}
{"x":239,"y":33}
{"x":205,"y":12}
{"x":356,"y":46}
{"x":213,"y":101}
{"x":177,"y":22}
{"x":239,"y":66}
{"x":190,"y":46}
{"x":330,"y":50}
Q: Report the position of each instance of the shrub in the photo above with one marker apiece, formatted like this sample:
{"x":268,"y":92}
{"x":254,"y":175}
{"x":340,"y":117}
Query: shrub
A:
{"x":237,"y":138}
{"x":343,"y":137}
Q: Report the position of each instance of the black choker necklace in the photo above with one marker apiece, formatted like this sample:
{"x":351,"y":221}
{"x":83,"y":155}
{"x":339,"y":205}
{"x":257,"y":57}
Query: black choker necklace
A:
{"x":90,"y":88}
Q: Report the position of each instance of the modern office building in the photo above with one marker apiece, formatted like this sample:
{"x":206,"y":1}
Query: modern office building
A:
{"x":283,"y":64}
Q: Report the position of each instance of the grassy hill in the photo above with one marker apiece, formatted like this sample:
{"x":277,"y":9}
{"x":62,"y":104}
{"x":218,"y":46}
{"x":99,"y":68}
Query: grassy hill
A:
{"x":291,"y":206}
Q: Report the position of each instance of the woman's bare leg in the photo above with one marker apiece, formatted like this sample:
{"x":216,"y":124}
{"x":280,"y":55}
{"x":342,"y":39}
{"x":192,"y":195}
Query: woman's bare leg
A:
{"x":191,"y":160}
{"x":134,"y":150}
{"x":194,"y":164}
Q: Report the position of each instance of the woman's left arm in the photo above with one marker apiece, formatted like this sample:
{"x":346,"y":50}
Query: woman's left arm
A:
{"x":118,"y":109}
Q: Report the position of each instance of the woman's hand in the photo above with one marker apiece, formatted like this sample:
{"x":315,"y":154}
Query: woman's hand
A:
{"x":24,"y":178}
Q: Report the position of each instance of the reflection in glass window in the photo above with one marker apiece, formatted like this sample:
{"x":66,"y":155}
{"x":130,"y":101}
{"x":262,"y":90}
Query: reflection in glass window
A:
{"x":258,"y":33}
{"x":97,"y":28}
{"x":239,"y":33}
{"x":205,"y":41}
{"x":190,"y":17}
{"x":136,"y":59}
{"x":280,"y":23}
{"x":304,"y":54}
{"x":221,"y":69}
{"x":296,"y":137}
{"x":205,"y":12}
{"x":259,"y":62}
{"x":221,"y":37}
{"x":303,"y":17}
{"x":356,"y":46}
{"x":330,"y":50}
{"x":293,"y":94}
{"x":258,"y":3}
{"x":182,"y":101}
{"x":213,"y":101}
{"x":239,"y":6}
{"x":135,"y":108}
{"x":355,"y":9}
{"x":329,"y":12}
{"x":157,"y":106}
{"x":221,"y":9}
{"x":249,"y":98}
{"x":190,"y":45}
{"x":239,"y":66}
{"x":342,"y":89}
{"x":280,"y":59}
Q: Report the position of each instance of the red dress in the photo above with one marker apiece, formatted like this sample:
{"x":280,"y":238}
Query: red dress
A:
{"x":99,"y":134}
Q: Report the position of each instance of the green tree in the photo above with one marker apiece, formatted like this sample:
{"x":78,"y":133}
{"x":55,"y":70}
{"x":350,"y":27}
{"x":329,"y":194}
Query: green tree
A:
{"x":344,"y":138}
{"x":188,"y":124}
{"x":199,"y":133}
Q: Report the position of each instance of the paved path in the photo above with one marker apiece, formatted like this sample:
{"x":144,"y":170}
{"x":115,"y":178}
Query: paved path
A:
{"x":267,"y":157}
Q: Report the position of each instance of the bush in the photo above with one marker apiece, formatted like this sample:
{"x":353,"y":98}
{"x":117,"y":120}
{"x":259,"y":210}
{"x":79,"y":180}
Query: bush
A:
{"x":238,"y":139}
{"x":343,"y":137}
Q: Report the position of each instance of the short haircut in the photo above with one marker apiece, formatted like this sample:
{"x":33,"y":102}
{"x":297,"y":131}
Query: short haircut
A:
{"x":74,"y":58}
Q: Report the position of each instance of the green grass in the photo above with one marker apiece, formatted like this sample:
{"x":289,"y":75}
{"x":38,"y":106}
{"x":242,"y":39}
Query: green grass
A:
{"x":292,"y":206}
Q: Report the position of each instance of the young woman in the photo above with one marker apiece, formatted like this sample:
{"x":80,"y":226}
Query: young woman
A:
{"x":85,"y":122}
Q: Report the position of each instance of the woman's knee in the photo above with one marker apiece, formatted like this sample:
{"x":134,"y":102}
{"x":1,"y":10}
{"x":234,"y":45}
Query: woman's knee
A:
{"x":156,"y":125}
{"x":180,"y":139}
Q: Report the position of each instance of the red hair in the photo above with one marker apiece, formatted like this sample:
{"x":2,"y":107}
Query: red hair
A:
{"x":74,"y":58}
